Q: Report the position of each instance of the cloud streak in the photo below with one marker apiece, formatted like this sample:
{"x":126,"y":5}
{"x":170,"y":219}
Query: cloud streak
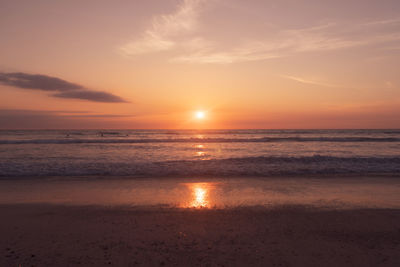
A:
{"x":289,"y":42}
{"x":312,"y":82}
{"x":165,"y":29}
{"x":53,"y":119}
{"x":179,"y":30}
{"x":95,"y":96}
{"x":61,"y":88}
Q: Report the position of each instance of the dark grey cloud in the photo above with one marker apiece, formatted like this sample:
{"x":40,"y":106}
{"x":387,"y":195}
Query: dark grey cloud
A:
{"x":98,"y":116}
{"x":63,"y":89}
{"x":37,"y":81}
{"x":97,"y":96}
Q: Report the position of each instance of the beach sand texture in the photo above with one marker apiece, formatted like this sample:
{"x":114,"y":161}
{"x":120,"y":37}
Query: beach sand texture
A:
{"x":178,"y":222}
{"x":51,"y":235}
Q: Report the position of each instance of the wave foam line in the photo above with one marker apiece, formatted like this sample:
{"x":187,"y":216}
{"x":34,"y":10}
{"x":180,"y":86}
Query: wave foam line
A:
{"x":201,"y":140}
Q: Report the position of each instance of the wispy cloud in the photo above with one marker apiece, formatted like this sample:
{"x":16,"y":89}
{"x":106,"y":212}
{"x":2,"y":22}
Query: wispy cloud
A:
{"x":61,"y":88}
{"x":319,"y":82}
{"x":309,"y":81}
{"x":327,"y":37}
{"x":248,"y":52}
{"x":382,"y":22}
{"x":164,"y":29}
{"x":392,"y":48}
{"x":179,"y":32}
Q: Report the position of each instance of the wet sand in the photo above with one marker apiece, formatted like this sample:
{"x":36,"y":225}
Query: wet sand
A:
{"x":337,"y":192}
{"x":59,"y":235}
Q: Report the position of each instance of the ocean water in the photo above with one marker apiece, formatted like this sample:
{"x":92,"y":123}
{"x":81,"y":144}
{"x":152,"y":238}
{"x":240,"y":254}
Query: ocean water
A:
{"x":197,"y":153}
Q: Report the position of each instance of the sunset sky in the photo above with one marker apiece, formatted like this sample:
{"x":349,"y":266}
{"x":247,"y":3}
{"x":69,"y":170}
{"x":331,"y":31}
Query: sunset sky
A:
{"x":155,"y":63}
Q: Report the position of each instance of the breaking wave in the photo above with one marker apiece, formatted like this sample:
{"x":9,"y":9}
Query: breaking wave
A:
{"x":233,"y":167}
{"x":123,"y":140}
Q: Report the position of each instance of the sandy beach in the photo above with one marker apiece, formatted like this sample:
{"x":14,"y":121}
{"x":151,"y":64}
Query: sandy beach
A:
{"x":56,"y":235}
{"x":281,"y":221}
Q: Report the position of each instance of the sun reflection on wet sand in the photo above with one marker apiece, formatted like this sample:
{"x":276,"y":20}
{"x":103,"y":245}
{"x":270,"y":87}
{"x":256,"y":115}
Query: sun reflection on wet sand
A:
{"x":199,"y":195}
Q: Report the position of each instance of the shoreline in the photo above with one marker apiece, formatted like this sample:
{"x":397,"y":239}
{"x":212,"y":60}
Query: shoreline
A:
{"x":342,"y":192}
{"x":211,"y":176}
{"x":321,"y":175}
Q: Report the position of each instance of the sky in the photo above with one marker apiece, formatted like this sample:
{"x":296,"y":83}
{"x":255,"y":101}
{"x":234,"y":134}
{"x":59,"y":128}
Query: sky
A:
{"x":288,"y":64}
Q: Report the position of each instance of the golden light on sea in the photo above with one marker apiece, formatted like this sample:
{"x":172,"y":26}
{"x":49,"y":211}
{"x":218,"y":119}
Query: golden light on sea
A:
{"x":200,"y":153}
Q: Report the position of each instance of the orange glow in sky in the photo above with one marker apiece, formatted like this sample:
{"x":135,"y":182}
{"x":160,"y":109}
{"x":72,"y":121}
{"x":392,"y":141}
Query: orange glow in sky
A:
{"x":152,"y":64}
{"x":200,"y":115}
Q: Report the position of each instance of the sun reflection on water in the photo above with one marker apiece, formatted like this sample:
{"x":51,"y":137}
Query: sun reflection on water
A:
{"x":200,"y":153}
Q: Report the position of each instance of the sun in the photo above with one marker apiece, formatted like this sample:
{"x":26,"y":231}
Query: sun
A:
{"x":200,"y":114}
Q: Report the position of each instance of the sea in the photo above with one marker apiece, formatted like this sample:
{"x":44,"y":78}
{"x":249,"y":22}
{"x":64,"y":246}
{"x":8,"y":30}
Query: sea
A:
{"x":197,"y":153}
